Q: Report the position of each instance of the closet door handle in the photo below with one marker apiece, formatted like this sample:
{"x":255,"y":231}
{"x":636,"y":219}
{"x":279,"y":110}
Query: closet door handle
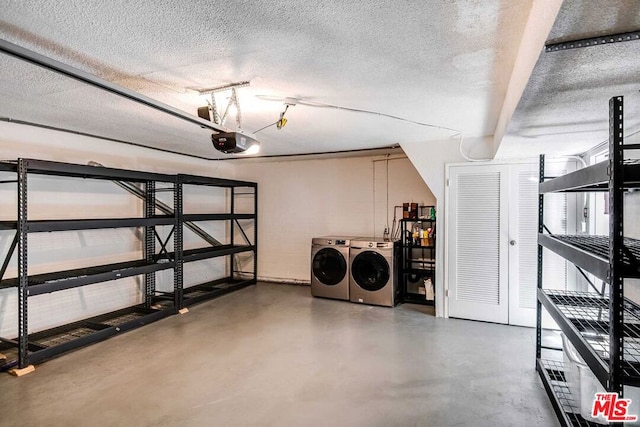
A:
{"x":512,"y":242}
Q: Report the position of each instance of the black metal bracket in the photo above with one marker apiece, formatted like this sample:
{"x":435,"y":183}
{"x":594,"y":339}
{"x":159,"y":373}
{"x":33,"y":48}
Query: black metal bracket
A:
{"x":12,"y":248}
{"x":593,"y":41}
{"x":244,"y":235}
{"x":588,"y":280}
{"x":163,"y":244}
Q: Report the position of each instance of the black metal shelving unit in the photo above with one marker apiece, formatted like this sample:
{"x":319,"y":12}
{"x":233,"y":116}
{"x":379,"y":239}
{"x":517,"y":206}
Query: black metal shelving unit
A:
{"x":27,"y":349}
{"x":418,"y":257}
{"x":235,"y":279}
{"x":603,"y":327}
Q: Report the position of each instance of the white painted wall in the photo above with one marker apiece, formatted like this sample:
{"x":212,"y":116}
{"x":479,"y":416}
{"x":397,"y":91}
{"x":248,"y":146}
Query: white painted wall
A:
{"x":57,"y":198}
{"x":301,"y":199}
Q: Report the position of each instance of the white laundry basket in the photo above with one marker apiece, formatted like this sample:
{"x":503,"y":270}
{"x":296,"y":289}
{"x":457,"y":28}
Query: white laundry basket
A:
{"x":584,"y":385}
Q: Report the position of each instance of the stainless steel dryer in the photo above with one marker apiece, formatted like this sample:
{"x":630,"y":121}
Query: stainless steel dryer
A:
{"x":330,"y":267}
{"x":373,"y":276}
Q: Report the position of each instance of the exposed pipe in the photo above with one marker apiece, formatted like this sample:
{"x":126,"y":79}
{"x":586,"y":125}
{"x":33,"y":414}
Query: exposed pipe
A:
{"x":464,"y":156}
{"x":386,"y":226}
{"x":605,"y":143}
{"x":385,"y":160}
{"x":373,"y":201}
{"x":284,"y":281}
{"x":390,"y":233}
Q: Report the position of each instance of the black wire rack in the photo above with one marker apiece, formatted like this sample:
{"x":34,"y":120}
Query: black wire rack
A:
{"x":554,"y":371}
{"x":604,"y":329}
{"x":599,"y":246}
{"x":589,"y":314}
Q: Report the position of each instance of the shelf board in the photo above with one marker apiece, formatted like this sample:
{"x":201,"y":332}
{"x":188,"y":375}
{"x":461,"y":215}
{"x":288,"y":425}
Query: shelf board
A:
{"x":214,"y":251}
{"x":422,"y":260}
{"x":52,"y":342}
{"x":552,"y":374}
{"x":591,"y":253}
{"x":592,"y":178}
{"x":60,"y":280}
{"x":418,"y":270}
{"x":216,"y":217}
{"x":206,"y":291}
{"x":413,"y":298}
{"x":584,"y":318}
{"x":89,"y":224}
{"x":46,"y":167}
{"x":217,"y":182}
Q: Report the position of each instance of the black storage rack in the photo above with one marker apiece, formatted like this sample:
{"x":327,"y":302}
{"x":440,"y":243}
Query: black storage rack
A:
{"x":604,"y":329}
{"x":418,"y":261}
{"x":27,"y":349}
{"x":233,"y":281}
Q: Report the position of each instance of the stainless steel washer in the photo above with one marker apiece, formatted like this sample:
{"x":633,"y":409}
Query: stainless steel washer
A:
{"x":330,"y":267}
{"x":373,"y":276}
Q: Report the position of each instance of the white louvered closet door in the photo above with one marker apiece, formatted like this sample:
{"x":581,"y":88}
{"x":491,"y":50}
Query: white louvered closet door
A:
{"x":477,"y":252}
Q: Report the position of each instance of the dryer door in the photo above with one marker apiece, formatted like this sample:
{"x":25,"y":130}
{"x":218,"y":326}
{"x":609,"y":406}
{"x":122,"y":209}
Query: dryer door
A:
{"x":370,"y":270}
{"x":329,"y":266}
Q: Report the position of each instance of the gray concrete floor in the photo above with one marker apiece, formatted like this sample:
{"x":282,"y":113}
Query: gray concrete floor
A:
{"x":270,"y":355}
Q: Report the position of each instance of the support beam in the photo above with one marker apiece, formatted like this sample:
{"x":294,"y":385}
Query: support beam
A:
{"x":541,"y":19}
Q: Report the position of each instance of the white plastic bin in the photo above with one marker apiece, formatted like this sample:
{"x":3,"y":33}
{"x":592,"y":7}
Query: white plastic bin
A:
{"x":584,"y":385}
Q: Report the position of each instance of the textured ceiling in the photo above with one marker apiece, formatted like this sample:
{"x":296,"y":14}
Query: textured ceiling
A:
{"x":564,"y":108}
{"x":445,"y":63}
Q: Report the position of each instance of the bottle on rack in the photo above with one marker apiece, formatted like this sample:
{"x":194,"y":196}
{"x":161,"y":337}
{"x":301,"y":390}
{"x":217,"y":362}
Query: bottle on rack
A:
{"x":416,"y":235}
{"x":426,"y":240}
